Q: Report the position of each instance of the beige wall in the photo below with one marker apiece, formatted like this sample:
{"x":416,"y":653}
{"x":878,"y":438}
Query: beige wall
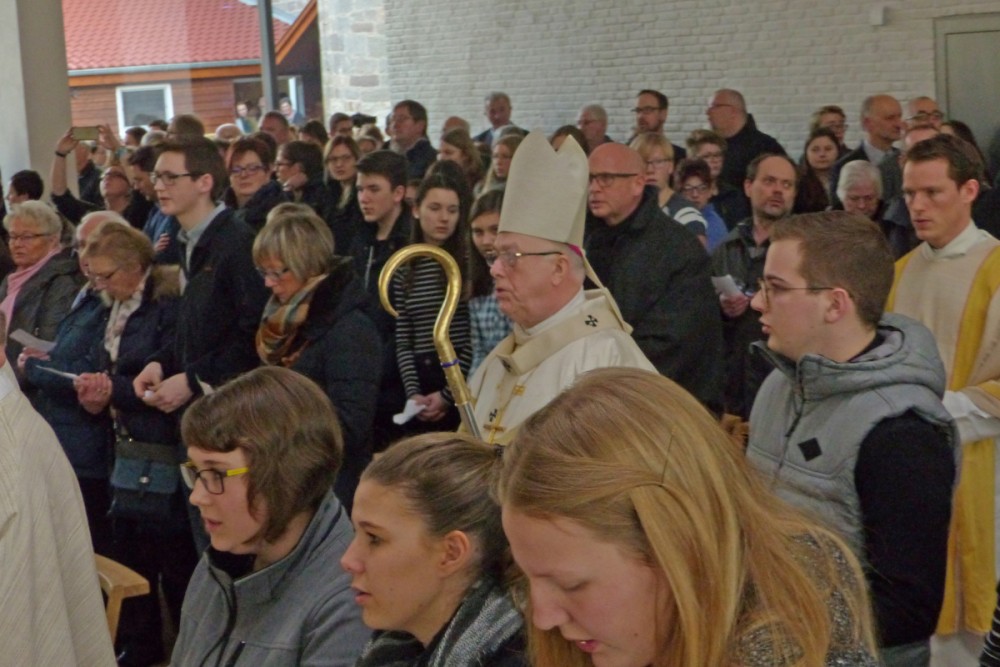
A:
{"x":34,"y":95}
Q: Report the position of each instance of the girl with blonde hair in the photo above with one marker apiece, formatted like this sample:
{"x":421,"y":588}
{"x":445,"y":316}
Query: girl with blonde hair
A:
{"x":658,"y":155}
{"x":645,"y":539}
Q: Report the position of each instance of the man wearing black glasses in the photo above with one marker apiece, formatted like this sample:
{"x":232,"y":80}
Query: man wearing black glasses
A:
{"x":651,"y":110}
{"x":770,"y":185}
{"x":657,"y":271}
{"x":222,"y":294}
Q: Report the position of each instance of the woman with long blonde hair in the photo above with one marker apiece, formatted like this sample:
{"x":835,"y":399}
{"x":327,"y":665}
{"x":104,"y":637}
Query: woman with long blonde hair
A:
{"x":645,"y":539}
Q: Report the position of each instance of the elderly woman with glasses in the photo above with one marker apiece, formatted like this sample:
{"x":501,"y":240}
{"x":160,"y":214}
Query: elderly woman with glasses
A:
{"x":264,"y":451}
{"x":318,"y":323}
{"x":860,"y":189}
{"x":85,"y":435}
{"x":144,"y":300}
{"x":252,"y":193}
{"x":39,"y":292}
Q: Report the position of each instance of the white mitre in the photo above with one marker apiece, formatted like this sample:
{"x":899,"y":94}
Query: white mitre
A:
{"x":546,"y":193}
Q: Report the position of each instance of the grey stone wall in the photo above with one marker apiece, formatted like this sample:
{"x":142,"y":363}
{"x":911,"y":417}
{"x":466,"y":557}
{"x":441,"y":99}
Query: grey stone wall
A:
{"x":355,"y":64}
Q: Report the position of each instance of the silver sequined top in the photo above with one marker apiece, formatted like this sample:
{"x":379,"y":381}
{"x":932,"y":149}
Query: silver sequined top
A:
{"x":757,"y":649}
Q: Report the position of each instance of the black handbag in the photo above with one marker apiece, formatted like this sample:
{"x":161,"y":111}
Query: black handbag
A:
{"x":144,"y":479}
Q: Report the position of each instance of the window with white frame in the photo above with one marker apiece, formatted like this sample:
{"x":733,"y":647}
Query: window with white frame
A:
{"x":138,"y":105}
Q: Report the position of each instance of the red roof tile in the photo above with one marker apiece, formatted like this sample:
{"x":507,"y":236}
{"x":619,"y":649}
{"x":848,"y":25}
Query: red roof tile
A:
{"x":128,"y":33}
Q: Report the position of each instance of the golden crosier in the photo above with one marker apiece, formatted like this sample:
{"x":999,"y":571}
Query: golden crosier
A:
{"x":442,"y":342}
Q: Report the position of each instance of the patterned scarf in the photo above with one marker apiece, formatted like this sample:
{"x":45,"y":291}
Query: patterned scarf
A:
{"x":280,"y":324}
{"x":483,"y":623}
{"x":120,"y":312}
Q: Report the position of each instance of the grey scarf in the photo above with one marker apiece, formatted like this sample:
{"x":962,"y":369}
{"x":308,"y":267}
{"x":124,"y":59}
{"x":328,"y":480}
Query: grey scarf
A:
{"x":483,"y":623}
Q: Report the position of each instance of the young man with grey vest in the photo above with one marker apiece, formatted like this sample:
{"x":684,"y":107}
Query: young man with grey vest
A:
{"x":850,"y":426}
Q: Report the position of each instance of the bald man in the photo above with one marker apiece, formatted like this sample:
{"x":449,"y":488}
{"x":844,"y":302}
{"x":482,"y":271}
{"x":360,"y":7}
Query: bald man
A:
{"x":923,"y":110}
{"x":882,"y":122}
{"x":657,"y":271}
{"x":728,"y":117}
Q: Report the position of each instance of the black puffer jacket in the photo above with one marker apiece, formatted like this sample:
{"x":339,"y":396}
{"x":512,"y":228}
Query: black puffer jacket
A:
{"x":660,"y":276}
{"x":341,"y":351}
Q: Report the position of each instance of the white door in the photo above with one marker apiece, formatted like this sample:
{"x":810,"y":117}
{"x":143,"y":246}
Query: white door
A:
{"x":968,"y":75}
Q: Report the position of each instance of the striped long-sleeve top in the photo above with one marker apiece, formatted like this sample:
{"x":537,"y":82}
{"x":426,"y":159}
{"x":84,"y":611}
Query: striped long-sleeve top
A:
{"x":418,"y":302}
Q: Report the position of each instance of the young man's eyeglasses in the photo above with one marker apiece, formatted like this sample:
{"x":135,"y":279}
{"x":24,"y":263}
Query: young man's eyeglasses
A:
{"x":768,"y":290}
{"x":168,"y":178}
{"x":694,"y":189}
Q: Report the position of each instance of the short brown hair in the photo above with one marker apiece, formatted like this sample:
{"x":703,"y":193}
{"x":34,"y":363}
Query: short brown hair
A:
{"x":201,"y":156}
{"x":841,"y":249}
{"x":187,"y":124}
{"x":963,"y":162}
{"x":287,"y":428}
{"x":693,"y":168}
{"x":252,"y":144}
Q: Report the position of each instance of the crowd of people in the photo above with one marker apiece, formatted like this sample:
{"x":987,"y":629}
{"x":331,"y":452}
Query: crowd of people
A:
{"x":200,"y":326}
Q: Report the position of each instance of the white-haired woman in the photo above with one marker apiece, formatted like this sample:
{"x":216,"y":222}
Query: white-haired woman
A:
{"x":39,"y":292}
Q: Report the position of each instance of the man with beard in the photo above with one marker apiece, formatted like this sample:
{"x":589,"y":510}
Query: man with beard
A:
{"x":651,"y":110}
{"x":770,"y":185}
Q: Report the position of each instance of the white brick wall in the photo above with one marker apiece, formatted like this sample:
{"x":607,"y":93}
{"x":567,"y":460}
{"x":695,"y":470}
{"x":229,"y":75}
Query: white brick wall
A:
{"x":787,"y":57}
